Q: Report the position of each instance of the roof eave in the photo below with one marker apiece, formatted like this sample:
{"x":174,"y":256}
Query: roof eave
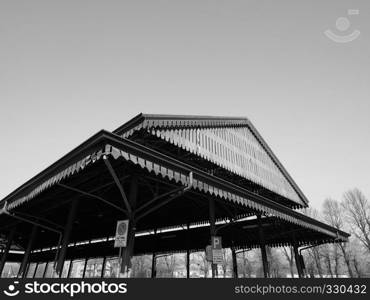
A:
{"x":103,"y":137}
{"x":91,"y":142}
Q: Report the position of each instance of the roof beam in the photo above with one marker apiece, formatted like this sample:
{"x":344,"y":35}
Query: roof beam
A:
{"x":92,"y":196}
{"x":158,"y":198}
{"x":118,"y":183}
{"x":172,"y":196}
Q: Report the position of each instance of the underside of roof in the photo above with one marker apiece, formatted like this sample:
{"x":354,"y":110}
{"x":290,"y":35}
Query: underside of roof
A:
{"x":240,"y":235}
{"x":232,"y":146}
{"x":45,"y":197}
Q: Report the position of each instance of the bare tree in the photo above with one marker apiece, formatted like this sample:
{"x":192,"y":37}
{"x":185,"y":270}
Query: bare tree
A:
{"x":359,"y":258}
{"x":332,"y":213}
{"x":326,"y":254}
{"x":227,"y":261}
{"x":245,"y":265}
{"x":314,"y":253}
{"x":167,"y":264}
{"x":170,"y":262}
{"x":356,"y":265}
{"x":203,"y":265}
{"x":336,"y":260}
{"x":310,"y":267}
{"x":288,"y":253}
{"x":141,"y":266}
{"x":275,"y":265}
{"x":357,"y":209}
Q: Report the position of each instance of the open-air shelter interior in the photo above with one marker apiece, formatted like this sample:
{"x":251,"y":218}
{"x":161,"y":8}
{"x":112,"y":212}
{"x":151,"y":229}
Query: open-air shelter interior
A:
{"x":179,"y":180}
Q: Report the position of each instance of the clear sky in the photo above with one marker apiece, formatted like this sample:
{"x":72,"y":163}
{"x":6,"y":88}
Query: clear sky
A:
{"x":71,"y":68}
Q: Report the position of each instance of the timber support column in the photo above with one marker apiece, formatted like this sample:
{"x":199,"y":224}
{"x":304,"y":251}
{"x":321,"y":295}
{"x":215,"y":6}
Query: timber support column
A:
{"x":235,"y":263}
{"x":187,"y":251}
{"x":66,"y":236}
{"x":154,"y":262}
{"x":297,"y":260}
{"x":23,"y":268}
{"x":7,"y":249}
{"x":128,"y":251}
{"x":212,"y":222}
{"x":187,"y":263}
{"x":263,"y":248}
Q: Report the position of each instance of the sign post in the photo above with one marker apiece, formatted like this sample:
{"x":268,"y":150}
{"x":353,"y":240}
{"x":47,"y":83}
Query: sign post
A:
{"x":121,"y":234}
{"x":217,"y":257}
{"x":209,"y":255}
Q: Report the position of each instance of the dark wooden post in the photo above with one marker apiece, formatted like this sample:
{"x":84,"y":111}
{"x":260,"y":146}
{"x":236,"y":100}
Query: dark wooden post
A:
{"x":187,"y":263}
{"x":69,"y":271}
{"x":187,"y":252}
{"x":103,"y":267}
{"x":34,"y":272}
{"x":212,"y":221}
{"x":66,"y":236}
{"x":44,"y":273}
{"x":154,"y":262}
{"x":235,"y":263}
{"x":263,"y":248}
{"x":128,"y":251}
{"x":297,"y":260}
{"x":22,"y":270}
{"x":6,"y":250}
{"x":85,"y":266}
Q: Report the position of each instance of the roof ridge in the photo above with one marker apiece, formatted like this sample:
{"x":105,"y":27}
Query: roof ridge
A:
{"x":189,"y":117}
{"x":143,"y":118}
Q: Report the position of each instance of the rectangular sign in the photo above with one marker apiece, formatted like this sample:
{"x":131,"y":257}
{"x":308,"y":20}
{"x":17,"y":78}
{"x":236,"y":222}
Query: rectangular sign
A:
{"x":209,"y":255}
{"x":121,"y":234}
{"x":217,"y":257}
{"x":216,"y":242}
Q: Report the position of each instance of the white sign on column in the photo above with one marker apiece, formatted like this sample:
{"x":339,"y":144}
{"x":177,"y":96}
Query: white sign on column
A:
{"x":217,"y":256}
{"x":121,"y":234}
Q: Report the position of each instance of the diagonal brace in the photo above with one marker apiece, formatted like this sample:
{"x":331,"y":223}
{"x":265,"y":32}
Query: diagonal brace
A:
{"x":92,"y":196}
{"x":5,"y":210}
{"x":158,"y":198}
{"x":118,"y":183}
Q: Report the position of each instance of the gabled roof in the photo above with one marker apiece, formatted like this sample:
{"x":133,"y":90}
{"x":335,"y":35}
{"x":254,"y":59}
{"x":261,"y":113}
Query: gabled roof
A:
{"x":166,"y":124}
{"x":105,"y":143}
